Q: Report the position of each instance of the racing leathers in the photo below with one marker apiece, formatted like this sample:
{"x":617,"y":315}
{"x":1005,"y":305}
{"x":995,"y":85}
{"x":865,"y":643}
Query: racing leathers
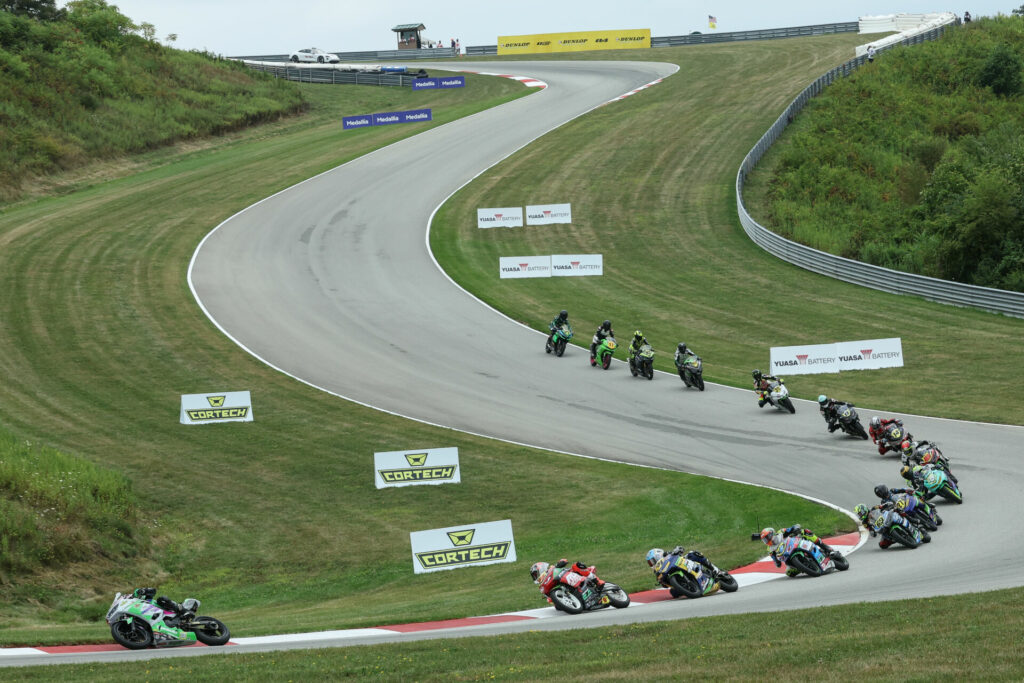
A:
{"x":762,"y":386}
{"x":888,"y":435}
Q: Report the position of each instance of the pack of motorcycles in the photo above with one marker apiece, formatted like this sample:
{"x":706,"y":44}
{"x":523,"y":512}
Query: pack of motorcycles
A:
{"x":905,"y":519}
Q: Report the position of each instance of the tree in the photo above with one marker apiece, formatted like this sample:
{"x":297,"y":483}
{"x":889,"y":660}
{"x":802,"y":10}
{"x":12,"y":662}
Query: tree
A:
{"x":1002,"y":71}
{"x":147,"y":30}
{"x":99,"y":21}
{"x":45,"y":10}
{"x":171,"y":37}
{"x":1019,"y":11}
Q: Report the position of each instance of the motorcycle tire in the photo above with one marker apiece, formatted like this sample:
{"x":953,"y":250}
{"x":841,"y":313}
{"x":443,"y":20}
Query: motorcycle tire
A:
{"x":804,"y":564}
{"x":925,"y":537}
{"x":924,"y":520}
{"x":859,"y":430}
{"x":134,"y":634}
{"x":566,"y":599}
{"x":841,"y":563}
{"x":685,"y":584}
{"x":632,"y":368}
{"x":788,"y":405}
{"x":700,"y":382}
{"x":648,"y":371}
{"x":618,"y":598}
{"x":606,"y":362}
{"x":210,"y":631}
{"x":948,"y":493}
{"x":938,"y":520}
{"x":559,"y":347}
{"x":727,"y":583}
{"x":904,"y":537}
{"x":682,"y":376}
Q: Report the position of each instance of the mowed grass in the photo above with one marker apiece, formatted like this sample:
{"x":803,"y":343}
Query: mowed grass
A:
{"x":849,"y":642}
{"x":276,"y":525}
{"x":651,"y":180}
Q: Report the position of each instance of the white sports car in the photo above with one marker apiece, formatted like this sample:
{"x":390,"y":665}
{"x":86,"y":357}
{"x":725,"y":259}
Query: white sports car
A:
{"x":314,"y":54}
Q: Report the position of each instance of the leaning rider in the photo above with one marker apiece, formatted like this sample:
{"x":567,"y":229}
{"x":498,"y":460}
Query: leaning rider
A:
{"x":163,"y":602}
{"x":634,"y":347}
{"x":867,"y":517}
{"x":605,"y":330}
{"x":682,"y":353}
{"x":883,"y":429}
{"x":655,"y":555}
{"x":561,"y":319}
{"x":762,"y":384}
{"x":540,"y":572}
{"x":829,"y":408}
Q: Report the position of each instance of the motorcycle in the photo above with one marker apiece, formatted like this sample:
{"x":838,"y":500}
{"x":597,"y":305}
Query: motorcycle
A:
{"x":778,"y":396}
{"x":927,"y":453}
{"x":937,"y":482}
{"x":916,"y":510}
{"x":563,"y":335}
{"x":642,"y":363}
{"x":605,"y":351}
{"x":571,"y":592}
{"x":683,"y":576}
{"x":897,"y":528}
{"x":849,"y":421}
{"x":691,"y":371}
{"x":894,"y":436}
{"x":137,"y":623}
{"x":808,"y":558}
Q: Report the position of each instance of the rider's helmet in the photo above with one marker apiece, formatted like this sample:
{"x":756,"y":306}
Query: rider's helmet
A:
{"x":682,"y":347}
{"x":563,"y":314}
{"x":882,"y":491}
{"x":537,"y":570}
{"x":756,"y":374}
{"x":907,"y":472}
{"x":822,"y":400}
{"x":861,"y":510}
{"x":606,"y":325}
{"x":654,"y":556}
{"x":876,"y":422}
{"x":768,"y":535}
{"x":907,"y":447}
{"x":638,"y":335}
{"x":190,"y":605}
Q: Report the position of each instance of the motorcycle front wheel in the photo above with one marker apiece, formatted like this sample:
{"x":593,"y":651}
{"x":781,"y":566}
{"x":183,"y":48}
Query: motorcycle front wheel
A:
{"x":904,"y":537}
{"x":559,"y":347}
{"x":618,"y":598}
{"x":948,"y":493}
{"x":134,"y":634}
{"x":700,"y":382}
{"x":682,"y":376}
{"x":788,"y":405}
{"x":210,"y":631}
{"x":727,"y":583}
{"x":859,"y":429}
{"x":566,"y":600}
{"x":841,"y":563}
{"x":607,"y":361}
{"x":648,"y":371}
{"x":804,"y":564}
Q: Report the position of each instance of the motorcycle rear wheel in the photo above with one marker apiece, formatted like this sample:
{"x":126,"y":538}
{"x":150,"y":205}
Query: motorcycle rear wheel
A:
{"x":210,"y":631}
{"x":134,"y":635}
{"x":566,"y":600}
{"x":685,"y":584}
{"x":926,"y":522}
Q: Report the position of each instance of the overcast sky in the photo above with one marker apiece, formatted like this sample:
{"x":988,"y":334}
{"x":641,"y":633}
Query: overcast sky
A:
{"x":244,"y":27}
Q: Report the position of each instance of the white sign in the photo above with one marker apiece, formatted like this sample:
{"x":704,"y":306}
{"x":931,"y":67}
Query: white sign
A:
{"x":546,"y":214}
{"x":575,"y":265}
{"x":509,"y":217}
{"x":467,"y":545}
{"x":419,"y":466}
{"x":870,"y":354}
{"x":224,"y":406}
{"x":812,"y":359}
{"x":524,"y":266}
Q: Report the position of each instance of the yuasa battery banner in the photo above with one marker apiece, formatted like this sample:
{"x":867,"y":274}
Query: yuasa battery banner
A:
{"x":575,"y":41}
{"x":546,"y":214}
{"x":809,"y":359}
{"x":506,"y":217}
{"x":415,"y":467}
{"x":576,"y":265}
{"x":222,"y":406}
{"x":466,"y":545}
{"x":870,"y":354}
{"x":524,"y":266}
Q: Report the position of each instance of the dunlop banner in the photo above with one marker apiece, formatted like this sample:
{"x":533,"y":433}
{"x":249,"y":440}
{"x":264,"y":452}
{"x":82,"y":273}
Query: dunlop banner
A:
{"x":575,"y":41}
{"x":224,"y":406}
{"x":467,"y":545}
{"x":418,"y":466}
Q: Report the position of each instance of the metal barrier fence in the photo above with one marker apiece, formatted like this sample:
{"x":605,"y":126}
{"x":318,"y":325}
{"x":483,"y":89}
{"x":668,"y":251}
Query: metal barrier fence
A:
{"x":370,"y":56}
{"x":864,"y":274}
{"x":307,"y":74}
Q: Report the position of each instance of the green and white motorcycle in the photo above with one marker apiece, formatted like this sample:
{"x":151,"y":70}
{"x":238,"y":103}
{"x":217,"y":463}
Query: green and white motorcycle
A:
{"x":138,"y":623}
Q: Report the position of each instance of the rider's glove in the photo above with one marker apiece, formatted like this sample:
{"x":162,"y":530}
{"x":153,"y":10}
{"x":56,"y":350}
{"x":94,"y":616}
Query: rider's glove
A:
{"x":561,"y":563}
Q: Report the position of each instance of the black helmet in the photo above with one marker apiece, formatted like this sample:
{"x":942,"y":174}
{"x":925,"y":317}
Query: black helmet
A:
{"x":606,"y":325}
{"x":882,"y":491}
{"x":638,"y":335}
{"x":682,"y":347}
{"x":756,"y":374}
{"x":563,"y":314}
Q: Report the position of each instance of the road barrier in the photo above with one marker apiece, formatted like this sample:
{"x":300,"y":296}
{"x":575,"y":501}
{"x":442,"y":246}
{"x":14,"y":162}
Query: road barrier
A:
{"x":864,"y":274}
{"x":369,"y":55}
{"x":323,"y":73}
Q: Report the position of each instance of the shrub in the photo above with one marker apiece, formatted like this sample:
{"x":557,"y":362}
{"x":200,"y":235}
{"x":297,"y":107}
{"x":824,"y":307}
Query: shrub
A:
{"x":1002,"y":71}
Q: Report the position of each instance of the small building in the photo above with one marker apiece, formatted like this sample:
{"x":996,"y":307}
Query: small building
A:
{"x":409,"y":36}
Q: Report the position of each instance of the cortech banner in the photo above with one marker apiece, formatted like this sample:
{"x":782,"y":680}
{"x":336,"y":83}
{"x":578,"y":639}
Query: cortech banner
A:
{"x":810,"y":359}
{"x":467,"y":545}
{"x":506,"y":217}
{"x":223,"y":406}
{"x":547,"y":214}
{"x":524,"y":266}
{"x":418,"y":466}
{"x":576,"y":265}
{"x":575,"y":41}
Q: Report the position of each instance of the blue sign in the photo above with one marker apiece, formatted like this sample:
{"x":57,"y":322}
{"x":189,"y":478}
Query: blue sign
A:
{"x":414,"y":115}
{"x":453,"y":82}
{"x":386,"y":118}
{"x":439,"y":82}
{"x":424,"y":83}
{"x":356,"y":122}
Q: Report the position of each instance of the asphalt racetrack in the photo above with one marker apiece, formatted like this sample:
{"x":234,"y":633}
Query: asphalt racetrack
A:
{"x":331,"y":281}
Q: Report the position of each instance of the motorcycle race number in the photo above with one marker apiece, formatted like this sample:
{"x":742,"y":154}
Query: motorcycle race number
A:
{"x":895,"y":433}
{"x":846,"y":413}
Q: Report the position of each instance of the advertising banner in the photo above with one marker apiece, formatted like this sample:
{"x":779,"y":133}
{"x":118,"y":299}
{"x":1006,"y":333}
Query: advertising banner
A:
{"x":414,"y":115}
{"x":576,"y":265}
{"x":507,"y":217}
{"x":810,"y":359}
{"x":467,"y":545}
{"x":546,"y":214}
{"x":386,"y":118}
{"x":223,"y":406}
{"x":870,"y":354}
{"x":361,"y":121}
{"x":415,"y":467}
{"x":574,"y":41}
{"x":439,"y":82}
{"x":524,"y":266}
{"x":424,"y":84}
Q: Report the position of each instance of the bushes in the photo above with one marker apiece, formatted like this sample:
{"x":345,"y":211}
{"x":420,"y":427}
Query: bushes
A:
{"x":915,"y":164}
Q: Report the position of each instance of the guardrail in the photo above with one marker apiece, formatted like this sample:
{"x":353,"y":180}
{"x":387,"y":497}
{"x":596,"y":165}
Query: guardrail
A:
{"x":864,"y":274}
{"x":370,"y":55}
{"x":308,"y":74}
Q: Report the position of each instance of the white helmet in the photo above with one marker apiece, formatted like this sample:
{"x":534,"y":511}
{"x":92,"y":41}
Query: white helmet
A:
{"x":537,"y":570}
{"x":654,"y":556}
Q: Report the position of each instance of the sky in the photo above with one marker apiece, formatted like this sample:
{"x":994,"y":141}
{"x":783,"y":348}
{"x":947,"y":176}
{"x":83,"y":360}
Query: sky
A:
{"x":252,"y":27}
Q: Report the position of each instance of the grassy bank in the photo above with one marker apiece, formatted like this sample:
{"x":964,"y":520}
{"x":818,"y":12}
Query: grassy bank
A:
{"x":276,"y":525}
{"x":849,"y":642}
{"x":651,"y":180}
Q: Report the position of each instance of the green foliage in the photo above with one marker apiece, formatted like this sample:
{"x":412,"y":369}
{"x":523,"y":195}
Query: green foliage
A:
{"x":916,"y":165}
{"x":86,"y":87}
{"x":56,"y":509}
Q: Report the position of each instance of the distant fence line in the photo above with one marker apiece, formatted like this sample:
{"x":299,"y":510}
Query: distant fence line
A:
{"x":313,"y":74}
{"x":369,"y":55}
{"x":864,"y":274}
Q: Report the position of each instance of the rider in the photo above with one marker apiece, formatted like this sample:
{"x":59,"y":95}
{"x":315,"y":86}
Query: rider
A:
{"x":924,"y":453}
{"x":634,"y":347}
{"x":761,"y":386}
{"x":541,"y":571}
{"x":654,"y":556}
{"x":773,"y":540}
{"x":885,"y":494}
{"x":879,"y":428}
{"x":163,"y":602}
{"x":867,"y":517}
{"x":605,"y":330}
{"x":829,"y":408}
{"x":682,"y":353}
{"x":914,"y":474}
{"x":561,"y":319}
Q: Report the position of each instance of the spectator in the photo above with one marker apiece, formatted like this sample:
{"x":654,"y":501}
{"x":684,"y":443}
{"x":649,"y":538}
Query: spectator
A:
{"x":871,"y":53}
{"x":967,"y":17}
{"x":458,"y":48}
{"x":453,"y":43}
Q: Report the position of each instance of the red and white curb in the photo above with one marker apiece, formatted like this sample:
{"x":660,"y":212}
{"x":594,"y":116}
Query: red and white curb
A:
{"x":528,"y":81}
{"x":635,"y":91}
{"x":758,"y":572}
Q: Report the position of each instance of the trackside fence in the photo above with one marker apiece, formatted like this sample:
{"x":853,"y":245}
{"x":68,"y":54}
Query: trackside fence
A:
{"x":867,"y":275}
{"x":308,"y":74}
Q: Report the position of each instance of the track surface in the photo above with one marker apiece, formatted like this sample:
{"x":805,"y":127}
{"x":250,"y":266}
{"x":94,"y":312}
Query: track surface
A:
{"x":331,"y":282}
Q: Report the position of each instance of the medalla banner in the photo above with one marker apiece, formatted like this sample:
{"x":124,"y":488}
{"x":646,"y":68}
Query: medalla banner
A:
{"x":576,"y":265}
{"x":220,"y":406}
{"x":505,"y":217}
{"x":416,"y":467}
{"x":546,"y":214}
{"x":574,"y":41}
{"x":524,"y":266}
{"x":466,"y":545}
{"x":439,"y":82}
{"x":386,"y":118}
